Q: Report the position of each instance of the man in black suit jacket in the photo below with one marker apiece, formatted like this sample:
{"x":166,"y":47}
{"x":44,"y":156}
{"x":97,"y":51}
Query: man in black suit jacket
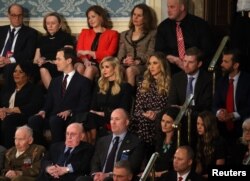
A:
{"x":230,"y":65}
{"x":59,"y":166}
{"x":24,"y":41}
{"x":130,"y":147}
{"x":59,"y":106}
{"x":183,"y":160}
{"x":201,"y":87}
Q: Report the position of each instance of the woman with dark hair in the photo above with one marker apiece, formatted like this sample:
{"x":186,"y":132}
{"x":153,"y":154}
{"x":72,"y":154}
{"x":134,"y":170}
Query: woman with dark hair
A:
{"x":151,"y":98}
{"x":211,"y":149}
{"x":137,"y":43}
{"x":96,"y":42}
{"x":55,"y":38}
{"x":166,"y":141}
{"x":18,"y":103}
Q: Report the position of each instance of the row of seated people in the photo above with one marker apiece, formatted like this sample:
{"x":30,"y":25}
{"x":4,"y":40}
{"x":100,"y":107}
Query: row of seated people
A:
{"x":75,"y":159}
{"x":72,"y":101}
{"x":132,"y":47}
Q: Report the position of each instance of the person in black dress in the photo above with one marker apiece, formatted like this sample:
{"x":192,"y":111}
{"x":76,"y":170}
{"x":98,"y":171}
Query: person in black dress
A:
{"x":48,"y":45}
{"x":110,"y":93}
{"x":166,"y":142}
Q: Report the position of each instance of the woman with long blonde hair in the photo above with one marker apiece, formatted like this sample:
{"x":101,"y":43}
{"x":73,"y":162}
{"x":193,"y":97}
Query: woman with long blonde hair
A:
{"x":151,"y":98}
{"x":110,"y":93}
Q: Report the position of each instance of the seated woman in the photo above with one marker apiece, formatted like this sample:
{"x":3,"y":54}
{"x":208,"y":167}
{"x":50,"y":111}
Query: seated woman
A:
{"x":56,"y":38}
{"x":211,"y":148}
{"x":96,"y":42}
{"x":137,"y":43}
{"x":110,"y":93}
{"x":166,"y":142}
{"x":151,"y":98}
{"x":18,"y":103}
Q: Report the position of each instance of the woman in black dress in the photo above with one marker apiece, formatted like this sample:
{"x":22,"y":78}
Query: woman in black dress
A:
{"x":110,"y":93}
{"x":48,"y":45}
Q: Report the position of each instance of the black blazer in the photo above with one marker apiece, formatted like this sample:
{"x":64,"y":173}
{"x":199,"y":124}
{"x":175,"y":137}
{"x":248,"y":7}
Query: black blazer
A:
{"x":202,"y":93}
{"x":29,"y":99}
{"x":79,"y":159}
{"x":131,"y":143}
{"x":26,"y":42}
{"x":77,"y":96}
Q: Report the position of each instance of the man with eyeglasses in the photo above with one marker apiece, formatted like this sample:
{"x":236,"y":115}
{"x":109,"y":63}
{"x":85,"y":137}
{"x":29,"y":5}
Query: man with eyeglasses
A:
{"x":67,"y":160}
{"x":17,"y":41}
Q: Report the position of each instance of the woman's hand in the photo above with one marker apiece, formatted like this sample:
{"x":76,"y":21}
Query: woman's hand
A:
{"x":40,"y":61}
{"x":97,"y":112}
{"x":150,"y":114}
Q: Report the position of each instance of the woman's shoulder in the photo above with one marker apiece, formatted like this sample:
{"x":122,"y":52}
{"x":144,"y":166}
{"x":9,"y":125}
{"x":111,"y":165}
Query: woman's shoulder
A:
{"x":111,"y":32}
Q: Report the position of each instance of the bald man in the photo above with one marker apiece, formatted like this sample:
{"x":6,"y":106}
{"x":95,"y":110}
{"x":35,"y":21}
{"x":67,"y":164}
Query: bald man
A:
{"x":67,"y":160}
{"x":23,"y":162}
{"x":129,"y":148}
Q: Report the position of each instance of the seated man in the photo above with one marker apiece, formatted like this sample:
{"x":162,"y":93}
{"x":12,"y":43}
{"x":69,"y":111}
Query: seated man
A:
{"x":67,"y":160}
{"x":23,"y":161}
{"x":120,"y":145}
{"x":182,"y":164}
{"x":122,"y":171}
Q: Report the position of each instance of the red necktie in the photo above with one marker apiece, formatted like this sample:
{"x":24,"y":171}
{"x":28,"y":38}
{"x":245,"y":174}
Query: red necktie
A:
{"x":230,"y":103}
{"x":180,"y":41}
{"x":64,"y":84}
{"x":180,"y":179}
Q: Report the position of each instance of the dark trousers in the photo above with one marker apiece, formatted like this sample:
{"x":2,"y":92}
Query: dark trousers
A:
{"x":8,"y":128}
{"x":56,"y":125}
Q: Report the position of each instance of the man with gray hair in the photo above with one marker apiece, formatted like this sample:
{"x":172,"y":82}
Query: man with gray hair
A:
{"x":22,"y":162}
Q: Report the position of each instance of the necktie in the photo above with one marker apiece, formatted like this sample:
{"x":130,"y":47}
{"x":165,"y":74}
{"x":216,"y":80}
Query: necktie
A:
{"x":64,"y":158}
{"x":180,"y":41}
{"x":111,"y":157}
{"x":230,"y":103}
{"x":64,"y":84}
{"x":180,"y":179}
{"x":189,"y":86}
{"x":9,"y":41}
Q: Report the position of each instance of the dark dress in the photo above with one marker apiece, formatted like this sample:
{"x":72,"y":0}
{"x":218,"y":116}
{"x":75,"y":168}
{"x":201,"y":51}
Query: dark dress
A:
{"x":166,"y":154}
{"x":219,"y":153}
{"x":49,"y":45}
{"x":151,"y":100}
{"x":107,"y":103}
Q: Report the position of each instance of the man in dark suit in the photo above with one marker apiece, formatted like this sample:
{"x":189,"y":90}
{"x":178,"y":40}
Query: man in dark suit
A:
{"x":183,"y":160}
{"x":230,"y":65}
{"x":201,"y":87}
{"x":67,"y":160}
{"x":129,"y":148}
{"x":21,"y":47}
{"x":23,"y":161}
{"x":68,"y":95}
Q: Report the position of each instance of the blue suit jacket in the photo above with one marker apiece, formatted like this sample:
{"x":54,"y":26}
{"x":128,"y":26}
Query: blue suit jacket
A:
{"x":77,"y":96}
{"x":26,"y":41}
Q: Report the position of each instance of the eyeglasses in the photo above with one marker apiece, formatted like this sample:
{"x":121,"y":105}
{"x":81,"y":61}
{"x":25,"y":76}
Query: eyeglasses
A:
{"x":16,"y":15}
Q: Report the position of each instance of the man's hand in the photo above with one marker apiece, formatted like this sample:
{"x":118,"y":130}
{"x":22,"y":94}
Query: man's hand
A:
{"x":11,"y":174}
{"x":42,"y":114}
{"x":100,"y":176}
{"x":64,"y":115}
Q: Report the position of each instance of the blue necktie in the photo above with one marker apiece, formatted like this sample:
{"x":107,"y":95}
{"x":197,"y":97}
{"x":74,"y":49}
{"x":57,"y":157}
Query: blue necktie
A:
{"x":189,"y":86}
{"x":9,"y":41}
{"x":111,"y":157}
